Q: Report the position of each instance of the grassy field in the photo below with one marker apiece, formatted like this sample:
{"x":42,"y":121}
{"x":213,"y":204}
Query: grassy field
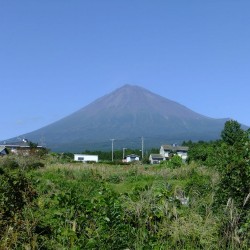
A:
{"x":100,"y":206}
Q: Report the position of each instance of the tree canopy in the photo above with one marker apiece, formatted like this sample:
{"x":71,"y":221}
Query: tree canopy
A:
{"x":232,"y":132}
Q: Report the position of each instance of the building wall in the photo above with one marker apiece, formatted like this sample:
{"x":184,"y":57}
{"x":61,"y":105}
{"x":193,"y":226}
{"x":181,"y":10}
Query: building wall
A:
{"x":166,"y":153}
{"x":183,"y":155}
{"x":162,"y":151}
{"x":85,"y":158}
{"x":129,"y":159}
{"x":155,"y":160}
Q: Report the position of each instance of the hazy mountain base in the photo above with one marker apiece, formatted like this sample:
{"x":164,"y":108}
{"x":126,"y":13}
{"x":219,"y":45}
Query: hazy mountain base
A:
{"x":99,"y":206}
{"x":127,"y":114}
{"x":133,"y":142}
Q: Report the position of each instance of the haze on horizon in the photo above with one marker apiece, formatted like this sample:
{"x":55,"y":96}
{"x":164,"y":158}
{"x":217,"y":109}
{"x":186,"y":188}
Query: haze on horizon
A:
{"x":59,"y":56}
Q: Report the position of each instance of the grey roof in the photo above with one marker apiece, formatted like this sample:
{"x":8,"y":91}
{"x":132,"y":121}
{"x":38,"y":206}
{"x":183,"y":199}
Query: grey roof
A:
{"x":2,"y":148}
{"x":156,"y":156}
{"x":132,"y":155}
{"x":16,"y":144}
{"x":167,"y":147}
{"x":175,"y":148}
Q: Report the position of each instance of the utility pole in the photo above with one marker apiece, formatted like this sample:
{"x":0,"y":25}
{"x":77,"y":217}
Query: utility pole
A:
{"x":123,"y":153}
{"x":112,"y":141}
{"x":142,"y":147}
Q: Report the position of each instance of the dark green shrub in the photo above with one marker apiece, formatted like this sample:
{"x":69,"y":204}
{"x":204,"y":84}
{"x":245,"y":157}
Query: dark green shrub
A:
{"x":114,"y":179}
{"x":16,"y":191}
{"x":198,"y":182}
{"x":174,"y":162}
{"x":35,"y":165}
{"x":10,"y":163}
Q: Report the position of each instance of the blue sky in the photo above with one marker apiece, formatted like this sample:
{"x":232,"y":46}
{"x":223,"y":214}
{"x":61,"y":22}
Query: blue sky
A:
{"x":57,"y":56}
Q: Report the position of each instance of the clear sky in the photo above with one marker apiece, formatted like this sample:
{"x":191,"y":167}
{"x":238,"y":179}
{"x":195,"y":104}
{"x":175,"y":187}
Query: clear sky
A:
{"x":57,"y":56}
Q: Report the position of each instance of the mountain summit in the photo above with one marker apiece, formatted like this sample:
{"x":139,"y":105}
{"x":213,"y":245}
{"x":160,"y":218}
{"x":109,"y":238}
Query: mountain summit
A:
{"x":127,"y":114}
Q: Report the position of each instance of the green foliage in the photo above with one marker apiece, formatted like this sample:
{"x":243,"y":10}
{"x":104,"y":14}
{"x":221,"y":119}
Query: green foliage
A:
{"x":16,"y":193}
{"x":61,"y":157}
{"x":35,"y":165}
{"x":174,"y":162}
{"x":9,"y":163}
{"x":80,"y":210}
{"x":232,"y":133}
{"x":231,"y":158}
{"x":12,"y":199}
{"x":203,"y":152}
{"x":234,"y":164}
{"x":233,"y":190}
{"x":198,"y":182}
{"x":32,"y":144}
{"x":61,"y":205}
{"x":234,"y":169}
{"x":114,"y":178}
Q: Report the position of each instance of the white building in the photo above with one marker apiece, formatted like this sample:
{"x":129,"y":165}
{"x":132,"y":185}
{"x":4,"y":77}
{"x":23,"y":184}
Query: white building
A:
{"x":85,"y":158}
{"x":132,"y":157}
{"x":156,"y":158}
{"x":168,"y":150}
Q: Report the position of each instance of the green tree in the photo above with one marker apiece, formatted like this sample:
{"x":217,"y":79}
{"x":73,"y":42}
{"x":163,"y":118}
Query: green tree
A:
{"x":233,"y":159}
{"x":203,"y":152}
{"x":232,"y":132}
{"x":233,"y":191}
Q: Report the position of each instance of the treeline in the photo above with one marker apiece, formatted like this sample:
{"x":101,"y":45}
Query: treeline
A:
{"x":118,"y":154}
{"x":107,"y":155}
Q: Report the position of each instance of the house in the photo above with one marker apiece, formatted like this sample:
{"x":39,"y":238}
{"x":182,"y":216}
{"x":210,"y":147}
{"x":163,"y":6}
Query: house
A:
{"x":182,"y":152}
{"x":168,"y":150}
{"x":156,"y":158}
{"x":3,"y":151}
{"x":132,"y":157}
{"x":85,"y":158}
{"x":21,"y":147}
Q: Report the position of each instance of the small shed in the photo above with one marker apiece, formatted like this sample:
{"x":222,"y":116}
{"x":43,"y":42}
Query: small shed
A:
{"x":156,"y":158}
{"x":85,"y":158}
{"x":132,"y":157}
{"x":3,"y":151}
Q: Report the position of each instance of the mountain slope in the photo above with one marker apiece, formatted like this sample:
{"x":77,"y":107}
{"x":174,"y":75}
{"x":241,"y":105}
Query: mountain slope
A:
{"x":127,"y":114}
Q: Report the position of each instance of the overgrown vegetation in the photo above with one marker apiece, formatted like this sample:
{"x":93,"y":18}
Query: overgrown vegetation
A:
{"x":49,"y":202}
